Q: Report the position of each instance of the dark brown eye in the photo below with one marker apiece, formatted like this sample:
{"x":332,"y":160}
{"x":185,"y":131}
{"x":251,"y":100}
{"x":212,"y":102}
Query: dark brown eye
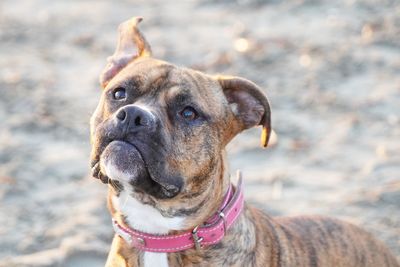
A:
{"x":189,"y":113}
{"x":119,"y":93}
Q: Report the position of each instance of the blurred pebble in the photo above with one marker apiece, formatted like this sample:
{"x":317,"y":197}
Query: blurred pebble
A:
{"x":241,"y":45}
{"x":367,"y":33}
{"x":381,"y":151}
{"x":305,"y":60}
{"x":12,"y":77}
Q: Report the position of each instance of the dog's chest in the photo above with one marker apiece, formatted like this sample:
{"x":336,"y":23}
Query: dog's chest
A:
{"x":151,"y":259}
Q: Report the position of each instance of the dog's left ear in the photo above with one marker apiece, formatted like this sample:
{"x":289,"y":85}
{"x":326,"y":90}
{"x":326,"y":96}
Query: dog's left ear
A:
{"x":131,"y":45}
{"x":249,"y":105}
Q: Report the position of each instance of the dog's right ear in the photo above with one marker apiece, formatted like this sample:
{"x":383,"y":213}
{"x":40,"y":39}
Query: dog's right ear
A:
{"x":131,"y":45}
{"x":249,"y":105}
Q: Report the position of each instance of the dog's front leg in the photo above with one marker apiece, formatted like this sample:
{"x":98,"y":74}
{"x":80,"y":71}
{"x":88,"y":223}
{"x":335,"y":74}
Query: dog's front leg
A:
{"x":115,"y":259}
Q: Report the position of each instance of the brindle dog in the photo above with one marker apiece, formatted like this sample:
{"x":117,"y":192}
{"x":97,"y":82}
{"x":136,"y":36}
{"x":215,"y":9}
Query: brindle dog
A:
{"x":158,"y":136}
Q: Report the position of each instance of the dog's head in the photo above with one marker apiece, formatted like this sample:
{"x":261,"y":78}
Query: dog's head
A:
{"x":159,"y":130}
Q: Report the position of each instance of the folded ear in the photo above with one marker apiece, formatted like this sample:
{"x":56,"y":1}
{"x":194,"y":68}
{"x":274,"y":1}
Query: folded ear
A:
{"x":249,"y":104}
{"x":131,"y":45}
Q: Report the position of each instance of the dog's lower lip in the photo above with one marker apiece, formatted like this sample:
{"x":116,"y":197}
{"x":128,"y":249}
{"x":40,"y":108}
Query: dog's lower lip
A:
{"x":96,"y":170}
{"x":104,"y":179}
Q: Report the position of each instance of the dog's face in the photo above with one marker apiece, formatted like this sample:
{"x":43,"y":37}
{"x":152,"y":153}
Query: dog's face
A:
{"x":159,"y":130}
{"x":159,"y":127}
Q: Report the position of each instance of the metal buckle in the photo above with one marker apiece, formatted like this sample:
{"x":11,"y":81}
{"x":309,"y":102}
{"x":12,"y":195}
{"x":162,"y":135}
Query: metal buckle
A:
{"x":197,"y":240}
{"x":222,"y":215}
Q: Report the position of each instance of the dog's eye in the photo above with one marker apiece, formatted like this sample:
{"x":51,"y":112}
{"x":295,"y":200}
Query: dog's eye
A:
{"x":119,"y":93}
{"x":189,"y":113}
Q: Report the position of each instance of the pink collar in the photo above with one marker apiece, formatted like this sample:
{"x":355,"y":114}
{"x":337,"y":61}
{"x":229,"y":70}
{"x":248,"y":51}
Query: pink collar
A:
{"x":211,"y":232}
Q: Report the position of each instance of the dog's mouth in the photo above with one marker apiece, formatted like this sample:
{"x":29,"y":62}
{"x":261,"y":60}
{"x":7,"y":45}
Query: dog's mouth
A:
{"x":123,"y":163}
{"x":96,"y":173}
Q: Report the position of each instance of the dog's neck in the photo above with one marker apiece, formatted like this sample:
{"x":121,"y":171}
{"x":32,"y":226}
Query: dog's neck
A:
{"x":142,"y":217}
{"x":146,"y":218}
{"x":150,"y":219}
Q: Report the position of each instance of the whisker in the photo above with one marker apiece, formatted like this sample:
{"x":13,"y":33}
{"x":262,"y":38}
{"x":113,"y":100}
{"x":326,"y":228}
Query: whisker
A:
{"x":125,"y":201}
{"x":115,"y":185}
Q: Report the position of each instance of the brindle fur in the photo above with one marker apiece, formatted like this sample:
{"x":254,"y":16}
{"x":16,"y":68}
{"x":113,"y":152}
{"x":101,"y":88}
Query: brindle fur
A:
{"x":193,"y":159}
{"x":259,"y":240}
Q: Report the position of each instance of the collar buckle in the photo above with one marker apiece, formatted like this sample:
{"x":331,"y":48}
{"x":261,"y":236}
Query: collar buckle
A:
{"x":223,"y":217}
{"x":196,"y":239}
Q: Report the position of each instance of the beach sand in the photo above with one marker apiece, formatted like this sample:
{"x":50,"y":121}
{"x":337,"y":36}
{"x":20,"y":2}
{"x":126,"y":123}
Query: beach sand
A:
{"x":331,"y":70}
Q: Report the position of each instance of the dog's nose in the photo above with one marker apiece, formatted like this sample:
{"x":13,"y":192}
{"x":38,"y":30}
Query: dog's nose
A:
{"x":135,"y":118}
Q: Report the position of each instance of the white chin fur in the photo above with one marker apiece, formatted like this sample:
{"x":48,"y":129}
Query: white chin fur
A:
{"x":144,"y":217}
{"x":114,"y":173}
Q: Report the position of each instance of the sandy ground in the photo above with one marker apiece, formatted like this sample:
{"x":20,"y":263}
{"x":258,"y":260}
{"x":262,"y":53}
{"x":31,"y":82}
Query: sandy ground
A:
{"x":330,"y":68}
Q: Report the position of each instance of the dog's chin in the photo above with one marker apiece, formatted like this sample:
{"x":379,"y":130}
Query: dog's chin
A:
{"x":122,"y":162}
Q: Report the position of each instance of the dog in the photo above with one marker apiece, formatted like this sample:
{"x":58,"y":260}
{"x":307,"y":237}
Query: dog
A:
{"x":158,"y":140}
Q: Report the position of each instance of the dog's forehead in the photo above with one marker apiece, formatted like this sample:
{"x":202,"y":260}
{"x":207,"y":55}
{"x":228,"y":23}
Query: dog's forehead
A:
{"x":152,"y":76}
{"x":144,"y":72}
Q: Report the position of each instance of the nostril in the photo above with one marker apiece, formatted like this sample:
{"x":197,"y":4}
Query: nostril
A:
{"x":138,"y":121}
{"x":121,"y":115}
{"x":133,"y":117}
{"x":142,"y":120}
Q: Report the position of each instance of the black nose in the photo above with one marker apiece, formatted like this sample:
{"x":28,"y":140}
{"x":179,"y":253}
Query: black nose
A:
{"x":135,"y":118}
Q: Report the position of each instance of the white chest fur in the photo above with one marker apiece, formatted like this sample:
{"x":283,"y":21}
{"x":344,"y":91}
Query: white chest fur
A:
{"x":147,"y":219}
{"x":155,"y":259}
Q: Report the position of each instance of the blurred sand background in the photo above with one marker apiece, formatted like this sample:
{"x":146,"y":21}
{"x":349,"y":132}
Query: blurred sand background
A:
{"x":330,"y":68}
